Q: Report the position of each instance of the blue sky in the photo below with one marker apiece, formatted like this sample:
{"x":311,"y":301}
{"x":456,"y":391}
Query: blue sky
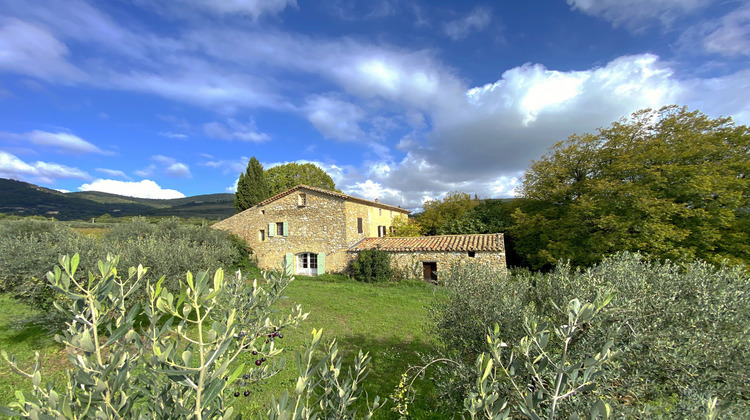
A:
{"x":398,"y":100}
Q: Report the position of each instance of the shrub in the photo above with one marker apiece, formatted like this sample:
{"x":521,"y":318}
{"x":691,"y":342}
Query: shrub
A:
{"x":184,"y":360}
{"x":372,"y":266}
{"x":30,"y":248}
{"x":682,"y":329}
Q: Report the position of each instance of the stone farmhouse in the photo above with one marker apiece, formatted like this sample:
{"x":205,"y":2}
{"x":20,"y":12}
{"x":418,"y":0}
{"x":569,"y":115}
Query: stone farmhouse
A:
{"x":310,"y":231}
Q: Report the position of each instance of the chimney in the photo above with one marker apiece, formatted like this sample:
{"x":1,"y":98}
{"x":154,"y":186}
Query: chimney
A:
{"x":377,"y":201}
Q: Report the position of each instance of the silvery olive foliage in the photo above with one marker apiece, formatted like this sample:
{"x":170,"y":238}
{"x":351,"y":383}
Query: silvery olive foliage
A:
{"x":320,"y":391}
{"x":531,"y":379}
{"x":176,"y":355}
{"x":535,"y":377}
{"x":682,"y":331}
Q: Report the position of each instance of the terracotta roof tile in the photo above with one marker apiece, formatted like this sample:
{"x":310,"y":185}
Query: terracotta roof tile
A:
{"x":477,"y":242}
{"x":332,"y":194}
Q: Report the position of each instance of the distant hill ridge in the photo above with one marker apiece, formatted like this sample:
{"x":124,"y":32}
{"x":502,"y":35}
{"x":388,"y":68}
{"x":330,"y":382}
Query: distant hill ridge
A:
{"x":24,"y":199}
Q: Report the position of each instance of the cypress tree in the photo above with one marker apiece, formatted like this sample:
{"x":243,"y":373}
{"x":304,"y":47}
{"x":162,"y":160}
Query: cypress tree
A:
{"x":252,"y":186}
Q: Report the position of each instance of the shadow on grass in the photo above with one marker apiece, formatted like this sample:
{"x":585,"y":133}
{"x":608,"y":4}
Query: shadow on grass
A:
{"x":31,"y":332}
{"x":390,"y":358}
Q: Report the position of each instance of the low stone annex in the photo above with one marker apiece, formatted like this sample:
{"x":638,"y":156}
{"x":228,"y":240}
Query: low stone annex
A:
{"x":425,"y":256}
{"x":310,"y":231}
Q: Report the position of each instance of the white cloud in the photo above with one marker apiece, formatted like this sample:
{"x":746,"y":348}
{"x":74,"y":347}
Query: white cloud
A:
{"x":374,"y":190}
{"x":64,"y":142}
{"x":634,"y":14}
{"x":477,"y":20}
{"x":233,"y":167}
{"x":251,"y":8}
{"x":731,"y":37}
{"x":502,"y":126}
{"x":171,"y":135}
{"x":40,"y":172}
{"x":235,"y":130}
{"x":481,"y":143}
{"x":199,"y":84}
{"x":171,"y":167}
{"x":113,"y":172}
{"x":32,"y":50}
{"x":335,"y":118}
{"x":232,"y":188}
{"x":147,"y":171}
{"x":141,"y":189}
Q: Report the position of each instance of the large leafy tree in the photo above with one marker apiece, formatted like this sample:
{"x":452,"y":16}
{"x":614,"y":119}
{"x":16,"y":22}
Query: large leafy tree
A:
{"x":252,"y":186}
{"x":671,"y":183}
{"x":281,"y":178}
{"x":452,"y":210}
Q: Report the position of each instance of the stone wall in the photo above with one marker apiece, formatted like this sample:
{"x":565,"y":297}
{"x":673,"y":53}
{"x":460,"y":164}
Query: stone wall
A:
{"x":316,"y":227}
{"x":324,"y":224}
{"x":412,"y":262}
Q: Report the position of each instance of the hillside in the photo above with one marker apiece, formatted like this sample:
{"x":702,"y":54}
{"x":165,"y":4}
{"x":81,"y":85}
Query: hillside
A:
{"x":24,"y":199}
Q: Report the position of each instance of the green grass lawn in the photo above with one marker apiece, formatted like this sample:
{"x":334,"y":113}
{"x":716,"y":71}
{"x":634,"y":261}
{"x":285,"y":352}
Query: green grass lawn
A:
{"x":386,"y":320}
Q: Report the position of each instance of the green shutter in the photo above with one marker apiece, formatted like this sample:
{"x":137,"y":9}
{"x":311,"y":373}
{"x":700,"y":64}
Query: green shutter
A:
{"x":272,"y":229}
{"x":289,"y":264}
{"x":286,"y":229}
{"x":321,"y":263}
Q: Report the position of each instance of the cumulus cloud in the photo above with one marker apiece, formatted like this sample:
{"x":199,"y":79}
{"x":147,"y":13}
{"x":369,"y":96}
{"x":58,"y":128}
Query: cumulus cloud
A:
{"x":31,"y":49}
{"x":634,"y":14}
{"x":481,"y":143}
{"x":476,"y":20}
{"x":235,"y":130}
{"x":500,"y":127}
{"x":335,"y":118}
{"x":376,"y":191}
{"x":38,"y":172}
{"x":141,"y":189}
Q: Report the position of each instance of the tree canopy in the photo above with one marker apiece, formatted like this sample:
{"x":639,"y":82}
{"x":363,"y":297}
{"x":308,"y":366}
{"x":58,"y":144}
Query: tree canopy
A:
{"x":252,"y":187}
{"x":671,"y":183}
{"x":438,"y":214}
{"x":283,"y":177}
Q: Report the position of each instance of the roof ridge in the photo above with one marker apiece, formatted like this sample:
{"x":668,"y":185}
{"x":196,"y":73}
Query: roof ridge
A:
{"x":331,"y":193}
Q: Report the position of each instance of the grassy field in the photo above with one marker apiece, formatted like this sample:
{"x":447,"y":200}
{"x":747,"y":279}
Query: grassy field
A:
{"x":386,"y":320}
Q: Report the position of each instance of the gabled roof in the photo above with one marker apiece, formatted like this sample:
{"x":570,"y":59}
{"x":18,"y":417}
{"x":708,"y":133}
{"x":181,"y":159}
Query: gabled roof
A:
{"x":476,"y":242}
{"x":331,"y":194}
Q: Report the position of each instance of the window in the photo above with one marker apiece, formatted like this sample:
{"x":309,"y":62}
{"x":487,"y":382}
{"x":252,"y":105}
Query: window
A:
{"x":360,"y":229}
{"x":302,"y":200}
{"x":380,"y":212}
{"x":278,"y":229}
{"x":262,"y":235}
{"x":262,"y":212}
{"x":472,"y":254}
{"x":381,"y":231}
{"x":391,"y":230}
